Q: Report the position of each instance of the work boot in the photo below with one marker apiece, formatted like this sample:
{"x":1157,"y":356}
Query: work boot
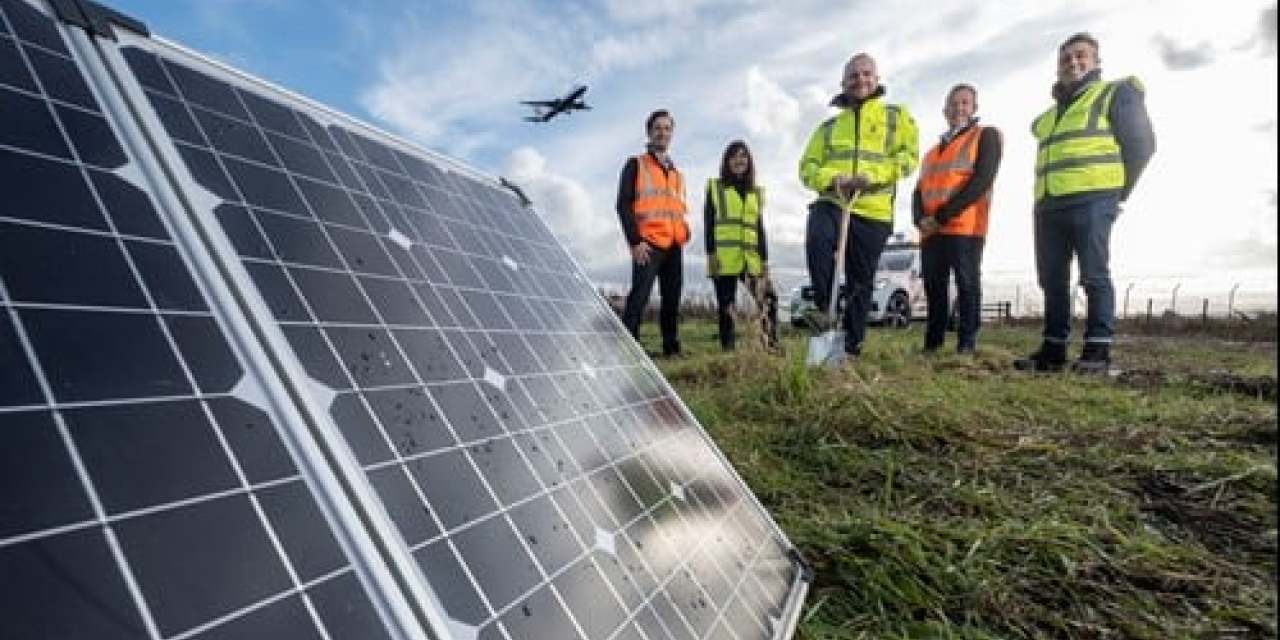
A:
{"x":1094,"y":359}
{"x":1049,"y":357}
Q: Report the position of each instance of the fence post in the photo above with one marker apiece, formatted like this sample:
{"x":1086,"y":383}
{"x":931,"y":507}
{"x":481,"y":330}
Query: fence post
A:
{"x":1127,"y":289}
{"x":1173,"y":299}
{"x":1204,"y":313}
{"x":1149,"y":303}
{"x":1231,"y":301}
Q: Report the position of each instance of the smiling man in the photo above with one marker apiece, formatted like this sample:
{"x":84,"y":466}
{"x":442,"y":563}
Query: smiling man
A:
{"x":651,"y":208}
{"x":865,"y":150}
{"x":950,"y":206}
{"x":1092,"y":146}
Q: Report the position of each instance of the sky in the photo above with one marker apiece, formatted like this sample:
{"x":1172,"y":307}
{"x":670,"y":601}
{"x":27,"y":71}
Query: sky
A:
{"x":449,"y":75}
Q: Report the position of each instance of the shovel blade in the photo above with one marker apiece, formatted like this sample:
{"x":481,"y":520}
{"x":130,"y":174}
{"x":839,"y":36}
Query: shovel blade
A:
{"x":825,"y":348}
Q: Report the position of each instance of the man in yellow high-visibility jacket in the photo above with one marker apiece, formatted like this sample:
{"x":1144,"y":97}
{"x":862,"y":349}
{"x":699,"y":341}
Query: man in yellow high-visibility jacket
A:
{"x":865,"y":149}
{"x":1093,"y":143}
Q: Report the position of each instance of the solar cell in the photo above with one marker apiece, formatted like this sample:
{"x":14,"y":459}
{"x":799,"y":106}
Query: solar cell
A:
{"x":361,"y":391}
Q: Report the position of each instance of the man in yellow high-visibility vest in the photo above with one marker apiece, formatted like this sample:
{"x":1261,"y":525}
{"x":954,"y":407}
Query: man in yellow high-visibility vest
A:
{"x":1093,"y":143}
{"x":866,"y":149}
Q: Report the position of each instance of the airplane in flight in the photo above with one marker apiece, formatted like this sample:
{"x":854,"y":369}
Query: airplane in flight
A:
{"x":544,"y":110}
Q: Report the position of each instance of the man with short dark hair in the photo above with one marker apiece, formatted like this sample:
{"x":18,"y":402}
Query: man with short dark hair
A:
{"x":864,"y":150}
{"x":1093,"y":145}
{"x":950,"y":206}
{"x":651,"y":207}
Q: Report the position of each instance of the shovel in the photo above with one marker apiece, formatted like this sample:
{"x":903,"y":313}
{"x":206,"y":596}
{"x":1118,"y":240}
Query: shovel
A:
{"x":828,"y":347}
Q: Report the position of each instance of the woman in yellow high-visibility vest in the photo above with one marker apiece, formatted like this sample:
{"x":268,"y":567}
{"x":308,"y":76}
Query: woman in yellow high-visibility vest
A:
{"x":736,"y":249}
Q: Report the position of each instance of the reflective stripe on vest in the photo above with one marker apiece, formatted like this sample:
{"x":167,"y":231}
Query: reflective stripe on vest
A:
{"x":1077,"y":151}
{"x":945,"y":171}
{"x":659,"y":204}
{"x":736,"y":237}
{"x":866,"y":146}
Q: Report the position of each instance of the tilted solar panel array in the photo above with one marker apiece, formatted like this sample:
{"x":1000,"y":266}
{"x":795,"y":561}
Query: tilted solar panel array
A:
{"x":509,"y":463}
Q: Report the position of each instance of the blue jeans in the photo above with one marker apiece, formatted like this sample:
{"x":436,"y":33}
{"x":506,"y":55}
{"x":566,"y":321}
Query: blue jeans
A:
{"x":1083,"y":232}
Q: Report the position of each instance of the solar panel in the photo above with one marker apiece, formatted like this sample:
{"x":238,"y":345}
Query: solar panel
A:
{"x":294,"y":377}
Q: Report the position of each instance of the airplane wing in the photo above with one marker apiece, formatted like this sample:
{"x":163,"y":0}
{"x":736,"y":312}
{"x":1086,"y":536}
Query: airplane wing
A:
{"x":540,"y":103}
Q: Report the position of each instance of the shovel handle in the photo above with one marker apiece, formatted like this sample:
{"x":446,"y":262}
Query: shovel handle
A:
{"x":840,"y":247}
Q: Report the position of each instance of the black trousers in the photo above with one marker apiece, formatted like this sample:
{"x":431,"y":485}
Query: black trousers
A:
{"x":941,"y":256}
{"x":861,"y":257}
{"x":666,"y":266}
{"x":762,"y":292}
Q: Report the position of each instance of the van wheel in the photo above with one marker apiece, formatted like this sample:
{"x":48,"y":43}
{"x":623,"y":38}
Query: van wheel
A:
{"x":897,"y":311}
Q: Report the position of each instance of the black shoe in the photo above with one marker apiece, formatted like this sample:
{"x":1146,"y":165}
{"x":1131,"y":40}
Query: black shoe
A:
{"x":671,"y":349}
{"x":966,"y":349}
{"x":930,"y":349}
{"x":1049,"y":357}
{"x":1095,"y":359}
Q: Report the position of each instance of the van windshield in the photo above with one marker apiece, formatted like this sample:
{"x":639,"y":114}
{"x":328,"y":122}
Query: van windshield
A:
{"x":897,"y":261}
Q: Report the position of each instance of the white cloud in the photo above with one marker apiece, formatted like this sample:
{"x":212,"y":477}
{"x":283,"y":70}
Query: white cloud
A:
{"x":770,"y":110}
{"x":764,"y":72}
{"x":563,"y":202}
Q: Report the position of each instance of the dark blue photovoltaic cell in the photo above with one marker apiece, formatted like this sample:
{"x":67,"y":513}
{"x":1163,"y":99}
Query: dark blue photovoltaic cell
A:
{"x":29,"y":125}
{"x":13,"y":71}
{"x":31,"y":26}
{"x":66,"y":586}
{"x":202,"y":561}
{"x":152,"y":453}
{"x":34,"y":457}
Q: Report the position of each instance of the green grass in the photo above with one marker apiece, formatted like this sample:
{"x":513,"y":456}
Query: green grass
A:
{"x":951,"y":497}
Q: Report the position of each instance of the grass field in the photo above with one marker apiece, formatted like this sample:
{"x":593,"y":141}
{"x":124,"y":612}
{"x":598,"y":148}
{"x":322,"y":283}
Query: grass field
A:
{"x":950,"y":497}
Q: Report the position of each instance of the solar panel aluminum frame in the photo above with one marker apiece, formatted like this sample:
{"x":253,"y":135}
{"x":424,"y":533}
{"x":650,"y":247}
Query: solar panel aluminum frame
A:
{"x":173,"y":190}
{"x":254,"y":327}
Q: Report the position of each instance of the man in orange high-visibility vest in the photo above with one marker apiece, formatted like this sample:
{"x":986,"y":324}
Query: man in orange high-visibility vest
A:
{"x":951,"y":206}
{"x":651,"y":207}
